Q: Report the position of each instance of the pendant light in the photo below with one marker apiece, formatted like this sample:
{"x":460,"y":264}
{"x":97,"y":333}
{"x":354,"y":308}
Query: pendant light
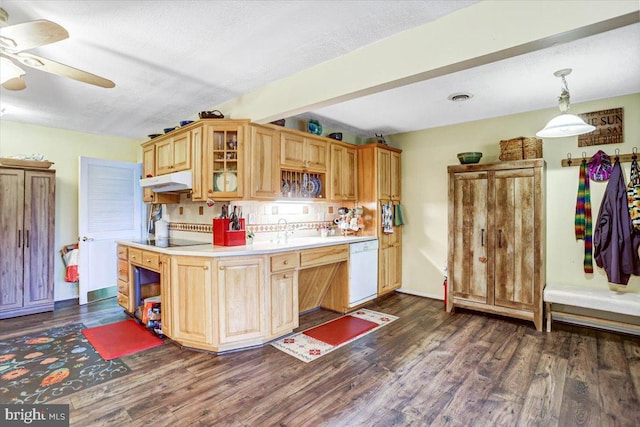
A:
{"x":565,"y":124}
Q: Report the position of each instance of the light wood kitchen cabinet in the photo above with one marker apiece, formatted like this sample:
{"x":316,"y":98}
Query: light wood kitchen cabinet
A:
{"x":165,"y":292}
{"x":241,"y":299}
{"x":264,"y":171}
{"x":343,"y":172}
{"x":283,"y":293}
{"x":124,"y":298}
{"x":301,"y":152}
{"x":149,"y":170}
{"x":496,"y":233}
{"x":388,"y":175}
{"x":389,"y":262}
{"x":223,"y":159}
{"x":173,"y":153}
{"x":27,"y":209}
{"x":379,"y":184}
{"x":191,"y":300}
{"x":395,"y":175}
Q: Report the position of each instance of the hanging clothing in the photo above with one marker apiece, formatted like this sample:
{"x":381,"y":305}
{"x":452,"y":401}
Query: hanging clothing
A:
{"x":615,"y":243}
{"x":600,"y":166}
{"x":633,"y":195}
{"x":583,"y":217}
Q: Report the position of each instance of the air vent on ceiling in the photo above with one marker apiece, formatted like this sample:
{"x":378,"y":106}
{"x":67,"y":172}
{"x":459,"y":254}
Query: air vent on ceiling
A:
{"x":460,"y":96}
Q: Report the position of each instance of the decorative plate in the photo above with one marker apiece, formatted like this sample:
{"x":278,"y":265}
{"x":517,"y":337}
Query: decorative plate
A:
{"x":226,"y":182}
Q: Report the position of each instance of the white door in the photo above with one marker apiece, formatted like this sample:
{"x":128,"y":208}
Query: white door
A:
{"x":110,"y":209}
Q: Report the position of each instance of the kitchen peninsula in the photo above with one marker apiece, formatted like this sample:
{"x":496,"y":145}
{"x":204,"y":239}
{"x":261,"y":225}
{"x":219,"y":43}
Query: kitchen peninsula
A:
{"x":221,"y":298}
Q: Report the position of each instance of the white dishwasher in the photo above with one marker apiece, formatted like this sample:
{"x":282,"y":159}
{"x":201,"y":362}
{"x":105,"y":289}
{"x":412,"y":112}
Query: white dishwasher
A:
{"x":363,"y":272}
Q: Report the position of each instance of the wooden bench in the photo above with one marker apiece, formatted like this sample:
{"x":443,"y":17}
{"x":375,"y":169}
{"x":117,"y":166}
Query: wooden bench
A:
{"x":603,"y":300}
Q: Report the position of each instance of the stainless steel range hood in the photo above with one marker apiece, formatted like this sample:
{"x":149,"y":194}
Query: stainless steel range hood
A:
{"x":177,"y":181}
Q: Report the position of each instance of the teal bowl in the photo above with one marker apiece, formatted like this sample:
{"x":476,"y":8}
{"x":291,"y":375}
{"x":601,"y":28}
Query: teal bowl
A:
{"x":469,"y":157}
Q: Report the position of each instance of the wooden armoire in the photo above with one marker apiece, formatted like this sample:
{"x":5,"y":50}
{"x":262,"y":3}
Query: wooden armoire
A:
{"x":27,"y":210}
{"x":496,"y":238}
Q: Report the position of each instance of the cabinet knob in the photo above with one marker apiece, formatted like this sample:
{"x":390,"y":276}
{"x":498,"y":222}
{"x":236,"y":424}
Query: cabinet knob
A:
{"x":285,"y":262}
{"x":222,"y":267}
{"x":285,"y":276}
{"x":205,"y":267}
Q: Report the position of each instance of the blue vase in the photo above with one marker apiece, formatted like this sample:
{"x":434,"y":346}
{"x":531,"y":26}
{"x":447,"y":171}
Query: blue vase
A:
{"x":314,"y":127}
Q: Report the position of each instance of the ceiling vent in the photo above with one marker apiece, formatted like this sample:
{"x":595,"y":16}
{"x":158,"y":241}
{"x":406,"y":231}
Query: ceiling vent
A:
{"x":460,"y":96}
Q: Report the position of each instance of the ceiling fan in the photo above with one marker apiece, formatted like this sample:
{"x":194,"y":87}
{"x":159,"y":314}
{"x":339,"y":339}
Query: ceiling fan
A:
{"x":15,"y":39}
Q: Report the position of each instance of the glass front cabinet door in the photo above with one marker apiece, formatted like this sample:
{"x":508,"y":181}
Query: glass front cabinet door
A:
{"x":223,"y":154}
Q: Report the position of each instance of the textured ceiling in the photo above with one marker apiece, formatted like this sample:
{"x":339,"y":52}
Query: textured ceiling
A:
{"x":171,"y":59}
{"x":604,"y":66}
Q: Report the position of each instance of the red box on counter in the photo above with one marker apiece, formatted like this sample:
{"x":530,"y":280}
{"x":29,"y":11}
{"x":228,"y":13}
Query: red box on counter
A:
{"x":222,"y":236}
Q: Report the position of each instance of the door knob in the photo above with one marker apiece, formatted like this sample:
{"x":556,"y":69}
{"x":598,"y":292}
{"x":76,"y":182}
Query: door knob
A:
{"x":87,"y":239}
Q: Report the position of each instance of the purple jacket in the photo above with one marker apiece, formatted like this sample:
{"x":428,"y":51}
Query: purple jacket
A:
{"x":615,"y":244}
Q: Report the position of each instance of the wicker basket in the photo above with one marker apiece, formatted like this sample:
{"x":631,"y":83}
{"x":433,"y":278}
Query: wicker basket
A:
{"x":521,"y":148}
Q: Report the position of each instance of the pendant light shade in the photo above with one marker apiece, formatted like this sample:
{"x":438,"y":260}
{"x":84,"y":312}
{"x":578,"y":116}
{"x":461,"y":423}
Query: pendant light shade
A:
{"x":565,"y":124}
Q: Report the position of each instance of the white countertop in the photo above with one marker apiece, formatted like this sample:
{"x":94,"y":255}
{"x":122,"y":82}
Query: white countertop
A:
{"x":257,"y":248}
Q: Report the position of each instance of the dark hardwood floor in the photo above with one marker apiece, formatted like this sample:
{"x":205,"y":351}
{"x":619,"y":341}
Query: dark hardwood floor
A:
{"x":427,"y":368}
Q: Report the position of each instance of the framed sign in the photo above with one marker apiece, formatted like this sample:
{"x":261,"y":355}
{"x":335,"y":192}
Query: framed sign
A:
{"x":609,"y":125}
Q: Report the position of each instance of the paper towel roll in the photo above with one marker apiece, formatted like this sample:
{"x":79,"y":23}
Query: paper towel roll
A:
{"x":162,"y":229}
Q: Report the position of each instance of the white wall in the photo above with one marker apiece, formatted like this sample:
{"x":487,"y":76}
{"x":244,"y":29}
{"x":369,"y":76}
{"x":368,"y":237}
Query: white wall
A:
{"x":426,"y":155}
{"x":64,"y":147}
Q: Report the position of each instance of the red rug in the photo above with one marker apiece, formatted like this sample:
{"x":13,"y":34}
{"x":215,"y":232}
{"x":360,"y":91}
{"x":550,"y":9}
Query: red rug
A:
{"x":323,"y":339}
{"x":120,"y":339}
{"x":340,"y":330}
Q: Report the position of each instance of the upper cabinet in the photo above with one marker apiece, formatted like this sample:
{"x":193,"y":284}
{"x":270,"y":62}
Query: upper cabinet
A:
{"x":388,"y":172}
{"x":301,"y":152}
{"x":224,"y":145}
{"x":263,"y":169}
{"x":173,"y":153}
{"x":343,"y":172}
{"x":234,"y":159}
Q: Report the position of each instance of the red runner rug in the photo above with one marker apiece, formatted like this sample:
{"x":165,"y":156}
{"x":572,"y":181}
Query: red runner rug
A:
{"x":120,"y":339}
{"x":315,"y":342}
{"x":340,"y":330}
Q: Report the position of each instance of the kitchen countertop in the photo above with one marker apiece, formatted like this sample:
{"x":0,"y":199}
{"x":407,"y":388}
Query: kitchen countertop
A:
{"x":257,"y":248}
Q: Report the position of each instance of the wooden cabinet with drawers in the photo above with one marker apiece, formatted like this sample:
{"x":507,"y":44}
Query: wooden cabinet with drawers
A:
{"x":283,"y":293}
{"x":124,"y":279}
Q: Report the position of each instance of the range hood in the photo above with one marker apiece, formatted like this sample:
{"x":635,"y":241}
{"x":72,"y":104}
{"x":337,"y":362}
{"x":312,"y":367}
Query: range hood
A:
{"x":177,"y":181}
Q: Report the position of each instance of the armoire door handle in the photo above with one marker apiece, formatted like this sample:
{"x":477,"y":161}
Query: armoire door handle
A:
{"x":27,"y":240}
{"x":482,"y":237}
{"x":499,"y":238}
{"x":19,"y":238}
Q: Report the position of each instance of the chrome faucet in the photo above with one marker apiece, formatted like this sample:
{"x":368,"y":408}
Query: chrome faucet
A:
{"x":286,"y":233}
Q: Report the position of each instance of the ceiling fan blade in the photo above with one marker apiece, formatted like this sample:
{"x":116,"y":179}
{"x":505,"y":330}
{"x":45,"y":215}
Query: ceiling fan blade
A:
{"x":32,"y":34}
{"x":15,"y":84}
{"x":53,"y":67}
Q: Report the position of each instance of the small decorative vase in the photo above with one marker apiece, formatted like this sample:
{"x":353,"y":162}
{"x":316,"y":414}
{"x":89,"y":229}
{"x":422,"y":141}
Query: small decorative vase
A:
{"x":314,"y":127}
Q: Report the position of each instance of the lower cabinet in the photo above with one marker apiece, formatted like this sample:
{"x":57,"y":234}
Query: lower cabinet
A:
{"x":190,"y":300}
{"x":283,"y":294}
{"x":240,"y":299}
{"x":165,"y":290}
{"x":390,"y":262}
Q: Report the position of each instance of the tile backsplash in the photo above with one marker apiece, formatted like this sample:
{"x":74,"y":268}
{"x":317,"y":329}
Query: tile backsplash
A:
{"x":260,"y":217}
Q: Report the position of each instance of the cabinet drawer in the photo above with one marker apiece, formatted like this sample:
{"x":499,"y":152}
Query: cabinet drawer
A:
{"x":135,"y":255}
{"x":322,"y":256}
{"x":285,"y":261}
{"x":123,"y":270}
{"x":123,"y":301}
{"x":151,"y":260}
{"x":123,"y":288}
{"x":123,"y":252}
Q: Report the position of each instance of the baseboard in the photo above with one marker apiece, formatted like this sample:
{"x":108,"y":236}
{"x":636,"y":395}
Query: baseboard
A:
{"x":420,"y":294}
